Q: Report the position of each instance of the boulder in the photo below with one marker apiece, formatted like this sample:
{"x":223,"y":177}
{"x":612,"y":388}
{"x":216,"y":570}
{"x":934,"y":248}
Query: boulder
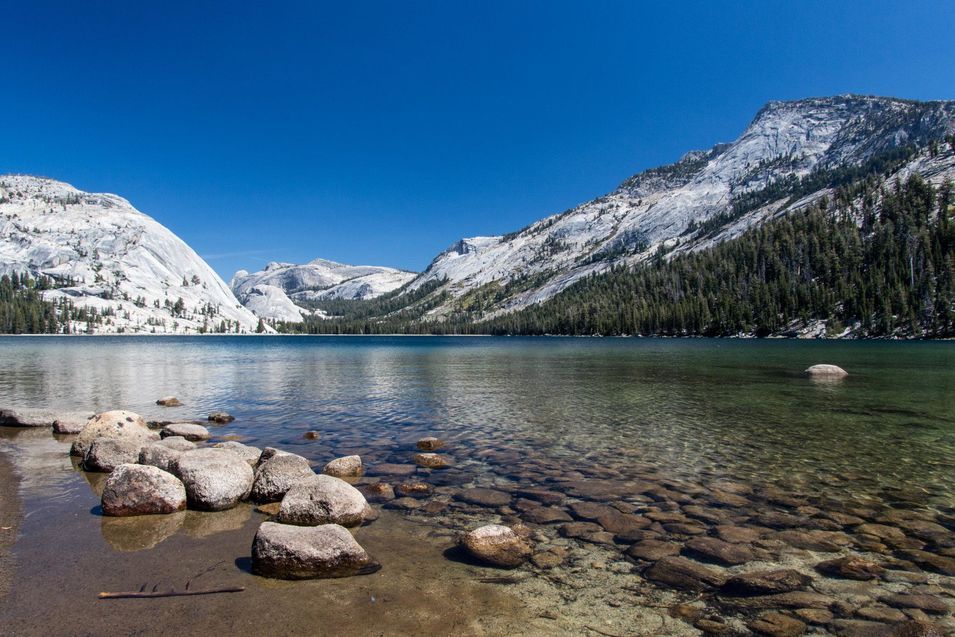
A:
{"x":160,"y":455}
{"x":311,"y":434}
{"x":106,"y":454}
{"x":215,"y":479}
{"x":432,"y":460}
{"x":270,"y":452}
{"x":187,"y":430}
{"x":766,"y":582}
{"x":346,"y":467}
{"x":275,"y":477}
{"x":133,"y":489}
{"x":826,"y":371}
{"x":112,"y":424}
{"x":430,"y":443}
{"x":323,"y":499}
{"x":169,"y":401}
{"x":496,"y":545}
{"x":295,"y":552}
{"x":378,"y":491}
{"x":413,"y":490}
{"x":249,"y":453}
{"x":221,"y":417}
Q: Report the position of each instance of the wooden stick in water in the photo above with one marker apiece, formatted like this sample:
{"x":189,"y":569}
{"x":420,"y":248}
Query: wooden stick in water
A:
{"x":172,"y":593}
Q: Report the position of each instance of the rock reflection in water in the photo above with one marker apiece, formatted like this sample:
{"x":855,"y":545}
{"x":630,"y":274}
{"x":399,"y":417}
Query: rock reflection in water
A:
{"x":140,"y":532}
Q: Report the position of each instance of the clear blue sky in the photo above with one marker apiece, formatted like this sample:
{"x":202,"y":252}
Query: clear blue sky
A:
{"x":382,"y":132}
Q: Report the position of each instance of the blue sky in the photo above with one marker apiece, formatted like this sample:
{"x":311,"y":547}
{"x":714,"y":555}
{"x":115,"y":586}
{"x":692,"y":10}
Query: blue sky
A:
{"x":382,"y":132}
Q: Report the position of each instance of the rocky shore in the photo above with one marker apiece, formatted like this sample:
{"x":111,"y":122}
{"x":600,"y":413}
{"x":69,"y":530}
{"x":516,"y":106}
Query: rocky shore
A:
{"x":645,"y":552}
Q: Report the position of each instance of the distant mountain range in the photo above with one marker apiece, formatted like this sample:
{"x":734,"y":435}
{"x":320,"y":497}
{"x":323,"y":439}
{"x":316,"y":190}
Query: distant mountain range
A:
{"x":284,"y":291}
{"x":105,"y":254}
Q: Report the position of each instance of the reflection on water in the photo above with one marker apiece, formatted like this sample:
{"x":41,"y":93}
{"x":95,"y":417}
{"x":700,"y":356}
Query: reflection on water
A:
{"x":739,"y":409}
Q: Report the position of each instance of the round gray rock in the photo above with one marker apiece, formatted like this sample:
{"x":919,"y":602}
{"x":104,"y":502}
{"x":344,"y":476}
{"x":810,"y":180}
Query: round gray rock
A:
{"x":105,"y":454}
{"x":496,"y":545}
{"x":187,"y":430}
{"x":215,"y":479}
{"x":133,"y":489}
{"x":112,"y":424}
{"x":275,"y":477}
{"x":249,"y":453}
{"x":164,"y":453}
{"x":295,"y":552}
{"x":323,"y":499}
{"x":346,"y":467}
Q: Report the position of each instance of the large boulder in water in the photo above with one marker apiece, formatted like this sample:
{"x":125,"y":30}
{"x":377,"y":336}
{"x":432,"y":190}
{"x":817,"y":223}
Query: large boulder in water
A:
{"x":133,"y":489}
{"x":112,"y":424}
{"x":295,"y":552}
{"x":826,"y":371}
{"x":496,"y":545}
{"x":275,"y":477}
{"x":105,"y":454}
{"x":345,"y":467}
{"x":323,"y":499}
{"x":215,"y":479}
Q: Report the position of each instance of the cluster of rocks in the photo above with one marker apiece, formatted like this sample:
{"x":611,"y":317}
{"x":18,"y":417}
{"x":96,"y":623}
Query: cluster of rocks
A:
{"x":163,"y":472}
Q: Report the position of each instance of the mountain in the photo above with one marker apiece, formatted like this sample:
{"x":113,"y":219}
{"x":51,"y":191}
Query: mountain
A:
{"x":120,"y":270}
{"x":790,"y":156}
{"x":288,"y":292}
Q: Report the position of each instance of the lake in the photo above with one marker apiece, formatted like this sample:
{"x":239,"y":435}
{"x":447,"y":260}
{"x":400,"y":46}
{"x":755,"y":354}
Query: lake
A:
{"x":688,"y":435}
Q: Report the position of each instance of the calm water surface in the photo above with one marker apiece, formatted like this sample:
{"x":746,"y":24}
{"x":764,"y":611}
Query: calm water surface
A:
{"x":698,"y":411}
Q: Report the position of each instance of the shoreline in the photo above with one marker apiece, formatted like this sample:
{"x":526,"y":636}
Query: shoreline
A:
{"x":10,"y":518}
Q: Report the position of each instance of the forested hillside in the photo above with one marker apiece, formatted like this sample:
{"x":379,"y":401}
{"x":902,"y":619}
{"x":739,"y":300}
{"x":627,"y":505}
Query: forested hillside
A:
{"x":876,"y":260}
{"x":880,"y":271}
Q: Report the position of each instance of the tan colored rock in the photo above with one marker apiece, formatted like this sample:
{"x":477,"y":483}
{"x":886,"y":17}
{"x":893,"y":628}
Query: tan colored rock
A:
{"x":496,"y":545}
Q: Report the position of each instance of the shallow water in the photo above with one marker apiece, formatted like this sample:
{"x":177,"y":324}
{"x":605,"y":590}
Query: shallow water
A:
{"x":686,"y":414}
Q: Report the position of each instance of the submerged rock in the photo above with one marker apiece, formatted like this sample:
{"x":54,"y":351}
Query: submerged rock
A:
{"x":850,"y":567}
{"x":169,"y":401}
{"x":715,"y":550}
{"x":653,"y":550}
{"x":484,"y":497}
{"x":345,"y":467}
{"x":187,"y":430}
{"x":684,"y":574}
{"x":275,"y":477}
{"x":296,"y":552}
{"x":766,"y":582}
{"x":826,"y":371}
{"x":133,"y":489}
{"x":432,"y":460}
{"x":221,"y":417}
{"x":323,"y":499}
{"x":112,"y":424}
{"x":776,"y":624}
{"x":215,"y":479}
{"x":430,"y":443}
{"x":496,"y":545}
{"x":106,"y":454}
